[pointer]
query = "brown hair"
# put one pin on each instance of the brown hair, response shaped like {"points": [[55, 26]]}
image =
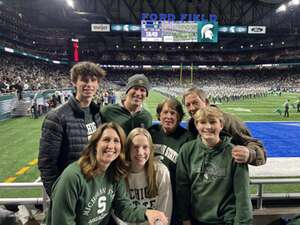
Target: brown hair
{"points": [[194, 90], [86, 69], [149, 166], [88, 162], [174, 104], [208, 113]]}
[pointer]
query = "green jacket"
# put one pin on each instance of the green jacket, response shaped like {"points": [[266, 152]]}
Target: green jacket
{"points": [[76, 201], [117, 113], [210, 186]]}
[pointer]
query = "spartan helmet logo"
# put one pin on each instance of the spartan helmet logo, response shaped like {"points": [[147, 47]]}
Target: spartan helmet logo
{"points": [[206, 31]]}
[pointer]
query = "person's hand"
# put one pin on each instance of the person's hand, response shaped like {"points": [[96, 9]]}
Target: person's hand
{"points": [[153, 216], [240, 154]]}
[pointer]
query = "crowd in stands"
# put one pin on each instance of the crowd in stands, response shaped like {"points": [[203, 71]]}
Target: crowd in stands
{"points": [[31, 74], [28, 74]]}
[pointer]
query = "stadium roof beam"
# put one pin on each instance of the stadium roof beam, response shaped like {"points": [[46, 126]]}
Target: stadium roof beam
{"points": [[130, 7]]}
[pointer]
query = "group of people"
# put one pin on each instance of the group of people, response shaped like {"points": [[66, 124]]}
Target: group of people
{"points": [[113, 166]]}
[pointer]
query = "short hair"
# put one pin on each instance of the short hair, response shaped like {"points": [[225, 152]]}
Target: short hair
{"points": [[208, 113], [174, 104], [149, 166], [195, 90], [86, 69], [88, 161]]}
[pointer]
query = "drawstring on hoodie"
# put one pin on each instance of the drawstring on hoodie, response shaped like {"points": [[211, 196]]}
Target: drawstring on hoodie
{"points": [[204, 163]]}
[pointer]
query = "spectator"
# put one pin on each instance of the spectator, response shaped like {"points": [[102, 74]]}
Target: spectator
{"points": [[130, 113], [211, 186], [148, 180], [66, 129]]}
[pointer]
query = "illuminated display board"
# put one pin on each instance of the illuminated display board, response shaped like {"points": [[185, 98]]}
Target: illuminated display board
{"points": [[179, 31], [151, 31]]}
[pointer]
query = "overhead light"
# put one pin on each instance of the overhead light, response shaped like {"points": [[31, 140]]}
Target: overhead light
{"points": [[271, 43], [281, 8], [251, 46], [242, 46], [261, 45], [70, 3], [282, 43], [293, 2]]}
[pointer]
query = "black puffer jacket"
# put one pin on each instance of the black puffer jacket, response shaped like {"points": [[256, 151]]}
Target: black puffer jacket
{"points": [[64, 136]]}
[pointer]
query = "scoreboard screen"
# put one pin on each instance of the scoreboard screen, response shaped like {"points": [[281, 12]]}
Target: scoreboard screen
{"points": [[179, 31], [151, 31]]}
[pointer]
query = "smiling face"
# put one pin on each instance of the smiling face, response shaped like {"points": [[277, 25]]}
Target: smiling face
{"points": [[209, 130], [135, 97], [193, 103], [108, 148], [168, 118], [139, 152], [86, 87]]}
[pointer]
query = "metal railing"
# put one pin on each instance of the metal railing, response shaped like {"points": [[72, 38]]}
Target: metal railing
{"points": [[25, 201], [259, 196]]}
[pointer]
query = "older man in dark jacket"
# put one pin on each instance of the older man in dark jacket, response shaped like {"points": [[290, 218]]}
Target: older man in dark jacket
{"points": [[66, 129]]}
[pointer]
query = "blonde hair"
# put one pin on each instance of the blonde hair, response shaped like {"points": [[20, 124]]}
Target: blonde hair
{"points": [[149, 166], [88, 161], [208, 113]]}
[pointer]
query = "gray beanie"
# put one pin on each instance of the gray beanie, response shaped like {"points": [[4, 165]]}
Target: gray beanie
{"points": [[139, 80]]}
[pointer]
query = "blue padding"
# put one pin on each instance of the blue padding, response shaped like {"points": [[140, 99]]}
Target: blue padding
{"points": [[281, 139]]}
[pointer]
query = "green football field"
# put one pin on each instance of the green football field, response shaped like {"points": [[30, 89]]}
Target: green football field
{"points": [[20, 137]]}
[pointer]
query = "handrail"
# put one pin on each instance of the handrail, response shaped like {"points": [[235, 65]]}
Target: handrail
{"points": [[259, 196], [25, 201], [262, 181]]}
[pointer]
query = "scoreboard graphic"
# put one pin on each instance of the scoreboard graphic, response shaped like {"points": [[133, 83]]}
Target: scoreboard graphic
{"points": [[151, 31], [178, 31]]}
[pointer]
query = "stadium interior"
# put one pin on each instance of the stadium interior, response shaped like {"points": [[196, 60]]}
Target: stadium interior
{"points": [[41, 40]]}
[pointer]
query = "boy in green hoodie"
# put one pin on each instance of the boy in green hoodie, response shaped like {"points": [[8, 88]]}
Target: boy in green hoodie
{"points": [[211, 187]]}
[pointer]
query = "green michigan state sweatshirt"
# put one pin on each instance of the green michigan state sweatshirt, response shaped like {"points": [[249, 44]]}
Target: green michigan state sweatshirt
{"points": [[76, 201], [128, 121], [210, 186]]}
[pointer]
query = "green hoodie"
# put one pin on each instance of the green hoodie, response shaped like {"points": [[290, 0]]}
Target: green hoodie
{"points": [[210, 186], [76, 201], [128, 121]]}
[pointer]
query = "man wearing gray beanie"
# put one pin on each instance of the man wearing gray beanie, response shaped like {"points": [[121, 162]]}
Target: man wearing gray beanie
{"points": [[130, 113]]}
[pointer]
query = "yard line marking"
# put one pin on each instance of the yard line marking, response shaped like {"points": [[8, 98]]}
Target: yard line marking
{"points": [[10, 180], [33, 162], [22, 170]]}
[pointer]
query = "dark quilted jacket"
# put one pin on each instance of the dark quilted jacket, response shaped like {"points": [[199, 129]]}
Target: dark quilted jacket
{"points": [[64, 136]]}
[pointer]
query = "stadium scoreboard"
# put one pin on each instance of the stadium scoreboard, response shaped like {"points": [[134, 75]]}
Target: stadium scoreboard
{"points": [[178, 31]]}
